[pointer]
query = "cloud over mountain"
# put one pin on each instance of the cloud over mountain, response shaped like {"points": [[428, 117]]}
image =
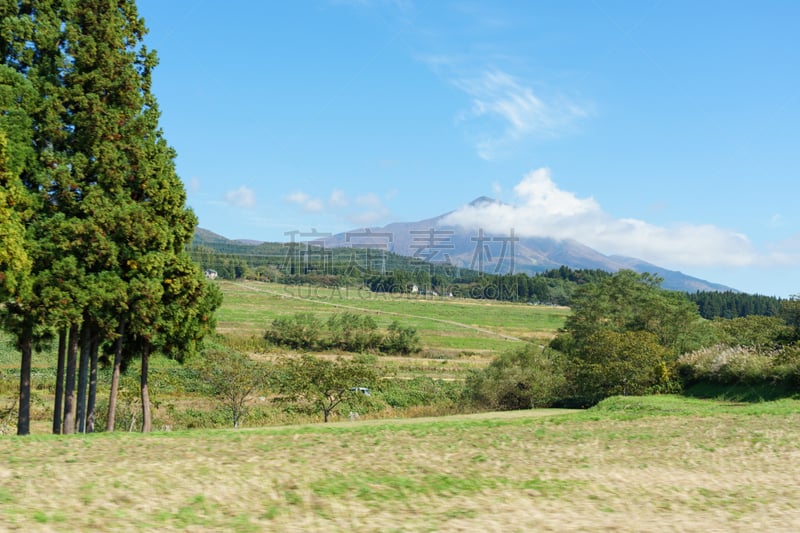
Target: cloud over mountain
{"points": [[542, 209]]}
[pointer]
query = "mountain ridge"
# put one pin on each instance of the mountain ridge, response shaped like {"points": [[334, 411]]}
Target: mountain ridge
{"points": [[434, 241], [462, 247]]}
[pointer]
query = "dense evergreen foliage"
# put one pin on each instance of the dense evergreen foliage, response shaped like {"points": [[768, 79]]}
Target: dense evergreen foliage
{"points": [[93, 199], [731, 304]]}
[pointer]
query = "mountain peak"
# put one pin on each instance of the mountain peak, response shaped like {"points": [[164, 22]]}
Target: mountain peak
{"points": [[482, 200]]}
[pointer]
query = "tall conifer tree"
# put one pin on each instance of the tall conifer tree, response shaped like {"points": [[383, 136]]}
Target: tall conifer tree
{"points": [[111, 222]]}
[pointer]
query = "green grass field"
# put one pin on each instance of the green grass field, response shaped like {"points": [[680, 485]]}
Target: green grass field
{"points": [[447, 326], [457, 336], [630, 464]]}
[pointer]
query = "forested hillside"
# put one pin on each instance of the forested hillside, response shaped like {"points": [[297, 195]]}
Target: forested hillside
{"points": [[383, 271], [730, 304]]}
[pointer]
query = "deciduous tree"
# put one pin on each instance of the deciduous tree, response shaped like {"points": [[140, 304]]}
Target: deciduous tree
{"points": [[624, 335], [233, 378], [322, 384], [520, 379]]}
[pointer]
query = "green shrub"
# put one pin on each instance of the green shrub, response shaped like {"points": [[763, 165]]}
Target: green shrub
{"points": [[521, 379], [300, 331], [192, 418], [401, 340], [353, 333], [233, 378], [347, 331], [419, 391], [752, 330], [611, 363]]}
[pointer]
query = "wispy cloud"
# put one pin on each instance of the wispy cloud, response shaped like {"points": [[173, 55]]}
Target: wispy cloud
{"points": [[542, 209], [338, 199], [193, 185], [372, 210], [241, 197], [309, 204], [363, 210], [511, 111]]}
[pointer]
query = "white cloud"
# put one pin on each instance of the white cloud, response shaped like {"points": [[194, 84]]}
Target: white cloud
{"points": [[314, 205], [498, 96], [193, 187], [338, 199], [241, 197], [776, 220], [298, 197], [544, 210], [786, 252], [364, 210], [374, 210], [369, 199], [370, 217], [309, 204]]}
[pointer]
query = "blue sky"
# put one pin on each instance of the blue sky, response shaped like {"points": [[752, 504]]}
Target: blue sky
{"points": [[663, 130]]}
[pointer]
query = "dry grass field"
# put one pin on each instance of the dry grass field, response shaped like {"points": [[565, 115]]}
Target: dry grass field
{"points": [[630, 464]]}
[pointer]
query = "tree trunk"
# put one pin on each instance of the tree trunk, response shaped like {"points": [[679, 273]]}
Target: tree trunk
{"points": [[146, 421], [90, 408], [59, 400], [83, 378], [26, 350], [69, 381], [111, 417]]}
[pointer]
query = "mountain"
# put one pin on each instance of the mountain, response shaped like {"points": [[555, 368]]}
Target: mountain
{"points": [[207, 237], [433, 240]]}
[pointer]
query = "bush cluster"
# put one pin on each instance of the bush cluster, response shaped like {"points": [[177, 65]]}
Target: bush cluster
{"points": [[419, 391], [520, 379], [730, 365], [349, 332]]}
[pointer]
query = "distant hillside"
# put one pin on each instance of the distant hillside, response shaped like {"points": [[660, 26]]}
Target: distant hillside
{"points": [[204, 236]]}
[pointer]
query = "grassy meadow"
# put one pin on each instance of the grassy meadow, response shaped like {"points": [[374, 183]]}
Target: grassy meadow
{"points": [[448, 327], [629, 464], [457, 335], [659, 463]]}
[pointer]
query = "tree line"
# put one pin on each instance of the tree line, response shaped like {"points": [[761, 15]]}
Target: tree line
{"points": [[391, 273], [93, 218], [730, 304]]}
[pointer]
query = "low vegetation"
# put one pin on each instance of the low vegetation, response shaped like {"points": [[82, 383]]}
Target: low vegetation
{"points": [[630, 463], [348, 331], [524, 378]]}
